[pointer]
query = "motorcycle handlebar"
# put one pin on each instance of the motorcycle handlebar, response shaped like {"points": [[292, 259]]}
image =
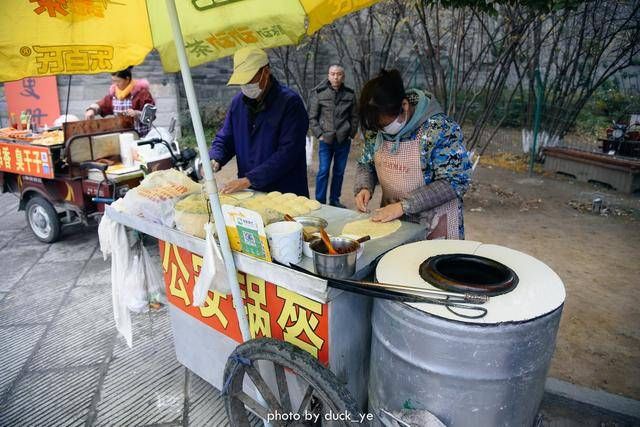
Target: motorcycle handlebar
{"points": [[154, 141], [151, 141]]}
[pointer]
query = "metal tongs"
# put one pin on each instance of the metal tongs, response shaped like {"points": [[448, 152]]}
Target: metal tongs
{"points": [[407, 293]]}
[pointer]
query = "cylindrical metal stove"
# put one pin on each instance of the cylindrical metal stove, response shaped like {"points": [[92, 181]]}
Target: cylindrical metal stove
{"points": [[468, 372]]}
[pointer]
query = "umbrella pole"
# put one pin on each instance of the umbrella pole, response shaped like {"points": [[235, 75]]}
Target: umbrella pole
{"points": [[210, 181]]}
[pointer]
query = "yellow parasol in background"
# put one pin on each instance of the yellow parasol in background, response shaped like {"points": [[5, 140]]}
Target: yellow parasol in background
{"points": [[51, 37]]}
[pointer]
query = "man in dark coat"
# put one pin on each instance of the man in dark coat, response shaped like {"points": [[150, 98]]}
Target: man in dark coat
{"points": [[265, 129], [333, 120]]}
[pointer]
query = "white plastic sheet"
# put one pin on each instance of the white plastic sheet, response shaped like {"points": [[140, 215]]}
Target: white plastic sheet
{"points": [[213, 275], [135, 278], [114, 242]]}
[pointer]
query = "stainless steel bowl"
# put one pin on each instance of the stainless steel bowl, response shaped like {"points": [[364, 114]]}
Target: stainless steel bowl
{"points": [[339, 266], [312, 224]]}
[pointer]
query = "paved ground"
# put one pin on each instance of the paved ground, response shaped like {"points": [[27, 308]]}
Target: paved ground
{"points": [[61, 362]]}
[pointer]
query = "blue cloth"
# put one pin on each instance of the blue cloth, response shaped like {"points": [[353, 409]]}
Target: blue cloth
{"points": [[270, 145], [326, 152]]}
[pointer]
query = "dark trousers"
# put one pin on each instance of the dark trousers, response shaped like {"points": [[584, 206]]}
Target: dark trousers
{"points": [[339, 153]]}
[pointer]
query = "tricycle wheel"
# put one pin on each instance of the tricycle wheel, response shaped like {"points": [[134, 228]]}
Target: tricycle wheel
{"points": [[302, 391], [42, 219]]}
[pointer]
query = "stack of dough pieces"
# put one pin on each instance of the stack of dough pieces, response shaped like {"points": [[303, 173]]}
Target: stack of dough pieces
{"points": [[287, 203]]}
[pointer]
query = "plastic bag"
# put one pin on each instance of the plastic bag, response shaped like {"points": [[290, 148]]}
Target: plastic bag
{"points": [[213, 275], [156, 196], [153, 278], [114, 242], [135, 293]]}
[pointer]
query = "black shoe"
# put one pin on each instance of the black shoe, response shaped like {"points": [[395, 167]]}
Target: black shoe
{"points": [[338, 205]]}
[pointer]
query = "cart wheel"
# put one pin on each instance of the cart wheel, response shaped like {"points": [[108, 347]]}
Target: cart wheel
{"points": [[323, 393], [43, 219]]}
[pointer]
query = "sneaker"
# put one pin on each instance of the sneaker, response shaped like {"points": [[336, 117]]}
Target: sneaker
{"points": [[338, 205]]}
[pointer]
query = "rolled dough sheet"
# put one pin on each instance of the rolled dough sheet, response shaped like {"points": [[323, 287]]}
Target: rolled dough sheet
{"points": [[365, 227], [241, 195]]}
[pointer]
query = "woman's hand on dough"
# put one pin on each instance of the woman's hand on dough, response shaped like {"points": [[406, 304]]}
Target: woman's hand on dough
{"points": [[388, 213], [362, 200]]}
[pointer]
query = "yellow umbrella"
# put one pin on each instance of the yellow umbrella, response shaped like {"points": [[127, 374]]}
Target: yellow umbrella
{"points": [[50, 37]]}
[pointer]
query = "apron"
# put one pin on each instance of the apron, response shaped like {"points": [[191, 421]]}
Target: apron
{"points": [[120, 106], [400, 174]]}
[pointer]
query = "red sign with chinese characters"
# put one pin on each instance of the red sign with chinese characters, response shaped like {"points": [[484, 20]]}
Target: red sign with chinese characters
{"points": [[37, 96], [272, 311], [26, 160]]}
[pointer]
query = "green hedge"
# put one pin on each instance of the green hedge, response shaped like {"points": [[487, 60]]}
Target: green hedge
{"points": [[212, 116]]}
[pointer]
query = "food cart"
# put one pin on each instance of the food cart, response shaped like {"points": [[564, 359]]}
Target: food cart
{"points": [[65, 177], [325, 347], [331, 325]]}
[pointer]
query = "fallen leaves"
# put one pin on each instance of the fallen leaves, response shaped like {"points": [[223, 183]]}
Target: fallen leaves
{"points": [[604, 210], [510, 161], [484, 196]]}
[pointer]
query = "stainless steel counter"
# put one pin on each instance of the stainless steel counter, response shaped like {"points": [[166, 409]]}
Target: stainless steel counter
{"points": [[305, 284]]}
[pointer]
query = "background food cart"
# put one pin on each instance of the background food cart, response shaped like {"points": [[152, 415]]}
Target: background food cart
{"points": [[57, 178], [331, 325]]}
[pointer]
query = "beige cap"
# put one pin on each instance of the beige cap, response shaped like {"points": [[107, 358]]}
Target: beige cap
{"points": [[246, 63]]}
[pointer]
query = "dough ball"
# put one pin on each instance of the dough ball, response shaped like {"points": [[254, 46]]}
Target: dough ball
{"points": [[289, 196], [313, 205], [290, 208], [291, 211], [301, 199], [280, 208], [274, 194], [303, 209], [250, 206], [260, 199]]}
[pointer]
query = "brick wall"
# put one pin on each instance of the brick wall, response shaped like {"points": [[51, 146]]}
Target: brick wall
{"points": [[86, 89]]}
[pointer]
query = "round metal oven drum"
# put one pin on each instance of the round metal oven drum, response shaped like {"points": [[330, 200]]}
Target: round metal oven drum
{"points": [[466, 375], [484, 372]]}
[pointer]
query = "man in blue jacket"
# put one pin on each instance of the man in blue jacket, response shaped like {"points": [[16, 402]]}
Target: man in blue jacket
{"points": [[265, 128]]}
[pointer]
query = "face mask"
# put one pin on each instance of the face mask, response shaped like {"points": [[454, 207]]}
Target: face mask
{"points": [[252, 90], [394, 127]]}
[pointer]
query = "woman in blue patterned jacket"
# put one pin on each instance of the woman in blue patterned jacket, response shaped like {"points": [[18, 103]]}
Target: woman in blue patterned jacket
{"points": [[417, 155]]}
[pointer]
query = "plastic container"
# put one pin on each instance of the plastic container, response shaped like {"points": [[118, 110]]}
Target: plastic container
{"points": [[285, 241], [127, 147]]}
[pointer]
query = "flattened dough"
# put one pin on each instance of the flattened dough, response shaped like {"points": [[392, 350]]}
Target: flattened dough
{"points": [[365, 227], [241, 195]]}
